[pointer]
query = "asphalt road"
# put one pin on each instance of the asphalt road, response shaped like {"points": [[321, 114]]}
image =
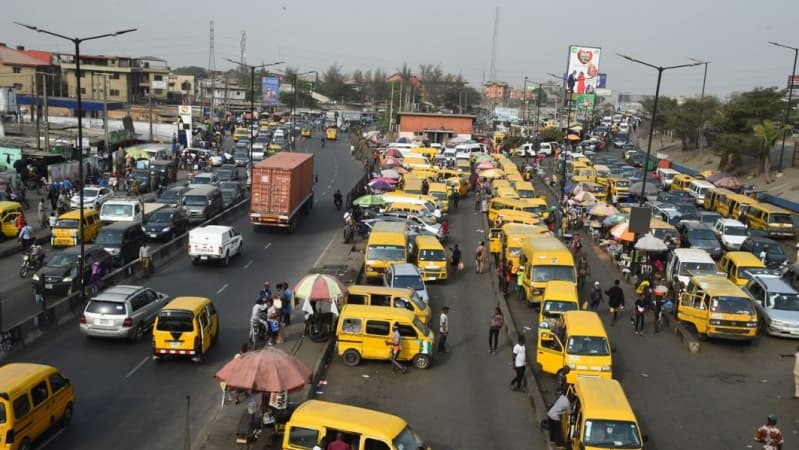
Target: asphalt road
{"points": [[126, 400], [464, 400], [712, 400]]}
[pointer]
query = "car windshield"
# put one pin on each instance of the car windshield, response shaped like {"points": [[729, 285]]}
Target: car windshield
{"points": [[90, 192], [101, 307], [439, 195], [587, 345], [701, 234], [408, 281], [687, 268], [407, 439], [117, 210], [170, 196], [66, 223], [746, 273], [549, 273], [780, 218], [735, 231], [557, 307], [416, 300], [224, 174], [662, 233], [61, 260], [141, 173], [611, 434], [385, 252], [161, 217], [195, 200], [201, 180], [432, 255], [710, 218], [731, 305], [108, 237]]}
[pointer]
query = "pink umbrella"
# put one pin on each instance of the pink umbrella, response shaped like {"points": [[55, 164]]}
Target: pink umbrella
{"points": [[384, 179], [394, 152], [731, 183], [267, 370], [486, 165], [390, 163]]}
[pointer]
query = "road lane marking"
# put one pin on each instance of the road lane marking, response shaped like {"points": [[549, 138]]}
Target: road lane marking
{"points": [[330, 185], [247, 265], [268, 244], [138, 366], [50, 439], [222, 289], [316, 263]]}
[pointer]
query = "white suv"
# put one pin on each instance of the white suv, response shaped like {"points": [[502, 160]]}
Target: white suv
{"points": [[731, 233]]}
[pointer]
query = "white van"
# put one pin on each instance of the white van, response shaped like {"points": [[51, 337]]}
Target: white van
{"points": [[686, 262], [400, 145], [666, 175], [545, 148], [697, 190], [219, 242]]}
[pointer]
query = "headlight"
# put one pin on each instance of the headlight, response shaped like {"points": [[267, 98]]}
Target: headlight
{"points": [[537, 292], [779, 323], [67, 279], [751, 324], [35, 277], [165, 229], [715, 322], [605, 368]]}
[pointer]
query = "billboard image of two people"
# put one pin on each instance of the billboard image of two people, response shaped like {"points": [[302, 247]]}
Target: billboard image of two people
{"points": [[582, 74], [270, 89]]}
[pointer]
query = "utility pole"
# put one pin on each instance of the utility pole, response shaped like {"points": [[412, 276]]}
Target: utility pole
{"points": [[105, 112], [391, 109], [38, 109], [701, 105], [46, 118], [150, 113]]}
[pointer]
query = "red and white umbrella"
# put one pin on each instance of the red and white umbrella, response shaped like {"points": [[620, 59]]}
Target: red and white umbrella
{"points": [[319, 287]]}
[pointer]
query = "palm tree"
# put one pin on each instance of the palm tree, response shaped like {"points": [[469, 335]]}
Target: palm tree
{"points": [[767, 133]]}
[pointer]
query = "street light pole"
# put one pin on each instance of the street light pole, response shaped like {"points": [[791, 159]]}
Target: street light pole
{"points": [[524, 103], [660, 70], [790, 98], [294, 108], [252, 95], [701, 104], [79, 111]]}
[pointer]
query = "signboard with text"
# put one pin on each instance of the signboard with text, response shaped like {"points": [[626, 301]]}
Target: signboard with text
{"points": [[270, 91], [582, 75]]}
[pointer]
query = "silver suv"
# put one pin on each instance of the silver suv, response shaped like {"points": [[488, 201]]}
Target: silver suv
{"points": [[122, 312], [406, 275], [777, 304]]}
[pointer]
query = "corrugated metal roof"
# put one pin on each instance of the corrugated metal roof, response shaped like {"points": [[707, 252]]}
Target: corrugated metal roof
{"points": [[12, 57]]}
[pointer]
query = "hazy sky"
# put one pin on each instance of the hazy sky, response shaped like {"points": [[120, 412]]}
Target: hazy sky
{"points": [[533, 37]]}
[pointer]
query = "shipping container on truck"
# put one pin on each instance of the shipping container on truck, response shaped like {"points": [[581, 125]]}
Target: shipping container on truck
{"points": [[282, 187]]}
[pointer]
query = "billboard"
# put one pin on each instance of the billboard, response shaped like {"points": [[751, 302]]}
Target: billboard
{"points": [[582, 75], [503, 114], [270, 91]]}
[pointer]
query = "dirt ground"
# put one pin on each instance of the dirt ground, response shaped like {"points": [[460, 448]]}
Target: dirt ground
{"points": [[785, 185]]}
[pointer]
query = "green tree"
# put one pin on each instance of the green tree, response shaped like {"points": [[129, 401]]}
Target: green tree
{"points": [[551, 135], [767, 133], [196, 71]]}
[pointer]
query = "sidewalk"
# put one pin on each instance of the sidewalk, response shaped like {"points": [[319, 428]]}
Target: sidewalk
{"points": [[344, 261]]}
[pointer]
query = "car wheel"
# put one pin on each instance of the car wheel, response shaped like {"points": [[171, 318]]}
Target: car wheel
{"points": [[194, 260], [421, 361], [227, 259], [138, 333], [25, 445], [352, 358], [67, 417]]}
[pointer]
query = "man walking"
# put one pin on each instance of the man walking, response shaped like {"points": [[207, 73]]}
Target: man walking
{"points": [[146, 260], [795, 356], [615, 301], [769, 435], [396, 348], [519, 363], [480, 257], [595, 297], [443, 329], [26, 235]]}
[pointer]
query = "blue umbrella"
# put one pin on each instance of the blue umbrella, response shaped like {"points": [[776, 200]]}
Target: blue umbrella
{"points": [[569, 188]]}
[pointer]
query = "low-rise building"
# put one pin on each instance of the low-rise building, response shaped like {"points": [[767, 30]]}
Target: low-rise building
{"points": [[432, 127]]}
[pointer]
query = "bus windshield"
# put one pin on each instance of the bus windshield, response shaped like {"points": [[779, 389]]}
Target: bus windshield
{"points": [[731, 305], [611, 434], [386, 252], [549, 273]]}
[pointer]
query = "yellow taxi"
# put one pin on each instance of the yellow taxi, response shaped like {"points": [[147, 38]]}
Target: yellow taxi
{"points": [[186, 326]]}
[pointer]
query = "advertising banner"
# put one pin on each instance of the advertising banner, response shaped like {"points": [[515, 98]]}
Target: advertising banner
{"points": [[582, 75], [503, 114], [270, 87]]}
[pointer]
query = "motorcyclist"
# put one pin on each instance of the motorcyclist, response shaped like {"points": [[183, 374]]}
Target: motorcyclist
{"points": [[36, 254], [258, 317], [323, 141], [337, 199]]}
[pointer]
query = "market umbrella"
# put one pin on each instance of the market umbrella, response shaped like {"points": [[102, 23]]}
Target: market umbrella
{"points": [[615, 219], [386, 179], [650, 243], [573, 137], [649, 189], [319, 287], [390, 173], [381, 185], [603, 210], [390, 162], [367, 201], [715, 176], [485, 165], [267, 370], [491, 173], [731, 183], [585, 197], [482, 157], [622, 232]]}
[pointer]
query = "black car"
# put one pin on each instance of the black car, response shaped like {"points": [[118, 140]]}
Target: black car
{"points": [[675, 197], [173, 196], [143, 176], [774, 254], [687, 211], [709, 218], [696, 234], [166, 224], [232, 193], [241, 157], [227, 172], [160, 170], [60, 273], [122, 241]]}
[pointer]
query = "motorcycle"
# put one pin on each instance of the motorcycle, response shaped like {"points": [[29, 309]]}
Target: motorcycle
{"points": [[337, 201], [30, 264]]}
